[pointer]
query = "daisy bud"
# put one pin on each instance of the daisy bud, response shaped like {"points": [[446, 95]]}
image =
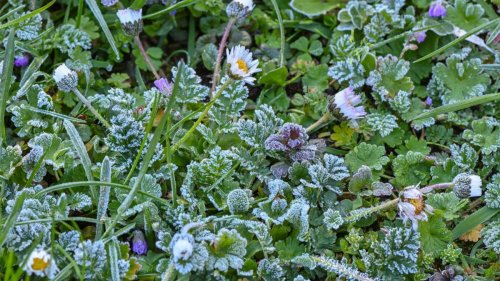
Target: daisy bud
{"points": [[131, 21], [437, 10], [240, 64], [21, 61], [163, 86], [41, 264], [139, 244], [239, 8], [66, 79], [466, 185], [346, 102], [182, 249]]}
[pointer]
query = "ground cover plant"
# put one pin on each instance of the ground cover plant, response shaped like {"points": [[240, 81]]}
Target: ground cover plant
{"points": [[249, 140]]}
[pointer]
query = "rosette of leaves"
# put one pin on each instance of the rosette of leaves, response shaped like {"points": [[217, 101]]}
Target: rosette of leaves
{"points": [[226, 251], [484, 133], [389, 78], [458, 79], [395, 255], [114, 102], [27, 122], [354, 15]]}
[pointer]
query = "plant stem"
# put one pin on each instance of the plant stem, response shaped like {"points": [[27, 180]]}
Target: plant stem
{"points": [[216, 76], [89, 106], [146, 57], [325, 118], [202, 116], [430, 188]]}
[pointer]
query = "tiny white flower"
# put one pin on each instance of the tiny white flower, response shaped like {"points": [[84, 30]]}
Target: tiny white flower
{"points": [[413, 207], [65, 78], [239, 9], [131, 21], [346, 101], [41, 264], [466, 185], [182, 249], [240, 64]]}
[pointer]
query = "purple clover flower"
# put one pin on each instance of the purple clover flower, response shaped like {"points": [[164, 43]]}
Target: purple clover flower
{"points": [[420, 36], [163, 86], [139, 244], [21, 61], [437, 10]]}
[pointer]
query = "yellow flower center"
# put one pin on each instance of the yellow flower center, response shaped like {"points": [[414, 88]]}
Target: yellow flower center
{"points": [[242, 65], [39, 264], [418, 204]]}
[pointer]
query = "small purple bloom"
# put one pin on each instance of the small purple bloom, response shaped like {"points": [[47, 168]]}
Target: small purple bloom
{"points": [[21, 61], [420, 36], [437, 10], [428, 101], [139, 244], [164, 86], [292, 139]]}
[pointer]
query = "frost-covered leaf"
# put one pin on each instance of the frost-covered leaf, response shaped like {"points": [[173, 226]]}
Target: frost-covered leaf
{"points": [[190, 88], [410, 169], [382, 123], [492, 195], [485, 133], [390, 77], [448, 204], [466, 15]]}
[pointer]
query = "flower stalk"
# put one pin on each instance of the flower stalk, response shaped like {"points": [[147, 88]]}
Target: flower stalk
{"points": [[325, 118], [220, 52], [146, 57]]}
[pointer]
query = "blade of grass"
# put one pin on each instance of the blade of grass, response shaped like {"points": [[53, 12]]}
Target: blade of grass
{"points": [[104, 26], [178, 5], [282, 33], [53, 114], [11, 11], [32, 69], [459, 39], [102, 207], [458, 106], [493, 34], [6, 78], [113, 260], [82, 153], [28, 15], [495, 67], [69, 185], [473, 220]]}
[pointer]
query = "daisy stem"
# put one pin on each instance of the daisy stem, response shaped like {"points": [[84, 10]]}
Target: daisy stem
{"points": [[87, 103], [430, 188], [386, 204], [202, 116], [146, 57], [216, 76], [325, 118]]}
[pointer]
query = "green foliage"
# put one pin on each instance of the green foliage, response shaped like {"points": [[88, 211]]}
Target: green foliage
{"points": [[434, 235], [466, 15], [366, 154]]}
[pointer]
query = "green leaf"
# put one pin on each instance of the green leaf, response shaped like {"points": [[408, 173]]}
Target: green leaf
{"points": [[458, 106], [369, 155], [313, 8], [470, 222], [410, 169], [275, 77], [434, 235], [448, 204], [466, 15]]}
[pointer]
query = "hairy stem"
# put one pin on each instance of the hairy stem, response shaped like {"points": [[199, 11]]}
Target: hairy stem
{"points": [[430, 188], [146, 57], [89, 106], [216, 76]]}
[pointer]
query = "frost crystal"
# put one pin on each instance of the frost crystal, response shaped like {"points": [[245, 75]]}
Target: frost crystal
{"points": [[333, 219], [491, 236], [384, 124], [492, 196], [92, 255], [237, 201]]}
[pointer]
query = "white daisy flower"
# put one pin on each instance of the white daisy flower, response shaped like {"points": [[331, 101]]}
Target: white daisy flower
{"points": [[413, 207], [240, 64], [466, 185], [248, 4], [41, 264], [65, 78], [346, 101], [239, 8], [131, 21], [182, 249]]}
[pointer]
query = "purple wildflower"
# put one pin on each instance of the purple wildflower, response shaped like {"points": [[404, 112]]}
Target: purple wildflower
{"points": [[437, 10], [346, 101], [428, 101], [292, 138], [109, 3], [21, 61], [420, 36], [164, 86], [139, 244]]}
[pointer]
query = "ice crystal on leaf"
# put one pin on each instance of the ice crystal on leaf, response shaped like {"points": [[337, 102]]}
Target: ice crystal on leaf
{"points": [[29, 29], [354, 15], [92, 256], [492, 195], [255, 133], [384, 124], [485, 133], [227, 251], [333, 219], [350, 70], [389, 78], [190, 88], [327, 173], [491, 236], [71, 38]]}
